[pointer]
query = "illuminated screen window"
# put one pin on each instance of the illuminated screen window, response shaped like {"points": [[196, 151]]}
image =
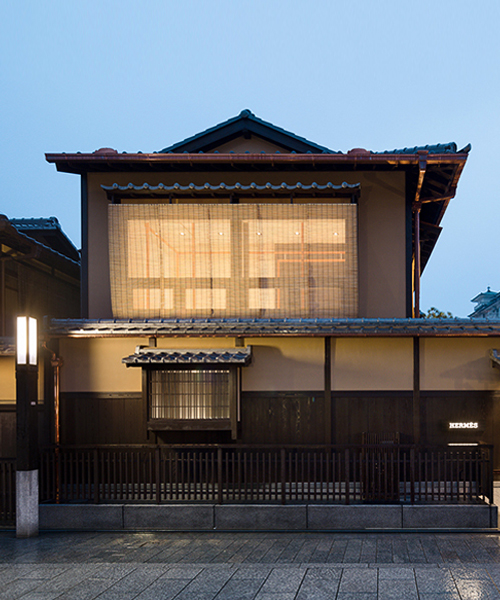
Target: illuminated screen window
{"points": [[190, 393], [233, 260]]}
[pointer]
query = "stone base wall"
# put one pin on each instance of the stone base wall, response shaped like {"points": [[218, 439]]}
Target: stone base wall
{"points": [[208, 517]]}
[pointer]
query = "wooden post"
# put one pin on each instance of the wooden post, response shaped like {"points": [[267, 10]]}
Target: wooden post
{"points": [[412, 475], [219, 475], [416, 284], [157, 459], [2, 298], [328, 391], [96, 475], [417, 409], [347, 477], [283, 476]]}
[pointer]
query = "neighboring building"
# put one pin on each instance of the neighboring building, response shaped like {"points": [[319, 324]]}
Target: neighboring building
{"points": [[39, 275], [487, 305], [247, 284]]}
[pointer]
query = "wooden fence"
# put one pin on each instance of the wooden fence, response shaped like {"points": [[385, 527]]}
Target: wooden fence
{"points": [[267, 474], [7, 490]]}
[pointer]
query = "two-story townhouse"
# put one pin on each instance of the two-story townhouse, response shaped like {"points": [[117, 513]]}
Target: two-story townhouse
{"points": [[249, 285]]}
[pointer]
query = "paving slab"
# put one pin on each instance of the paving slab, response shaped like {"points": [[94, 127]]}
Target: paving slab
{"points": [[250, 566]]}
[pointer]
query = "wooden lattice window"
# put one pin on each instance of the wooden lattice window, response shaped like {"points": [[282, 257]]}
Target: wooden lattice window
{"points": [[191, 398]]}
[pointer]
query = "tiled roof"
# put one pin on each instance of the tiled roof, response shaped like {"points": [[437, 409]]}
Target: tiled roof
{"points": [[47, 231], [162, 356], [48, 224], [488, 300], [246, 121], [272, 327], [237, 187], [11, 234], [450, 148]]}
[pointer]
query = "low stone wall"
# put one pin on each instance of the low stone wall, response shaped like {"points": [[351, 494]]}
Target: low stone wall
{"points": [[208, 517]]}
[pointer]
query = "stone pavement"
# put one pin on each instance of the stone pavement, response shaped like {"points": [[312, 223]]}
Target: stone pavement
{"points": [[250, 566]]}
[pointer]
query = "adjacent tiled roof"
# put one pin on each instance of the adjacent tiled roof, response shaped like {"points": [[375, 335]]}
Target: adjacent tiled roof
{"points": [[148, 189], [488, 300], [48, 231], [163, 356], [34, 223], [272, 327], [10, 235], [450, 148]]}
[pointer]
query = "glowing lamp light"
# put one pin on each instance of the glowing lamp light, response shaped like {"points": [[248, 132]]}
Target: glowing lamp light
{"points": [[27, 341]]}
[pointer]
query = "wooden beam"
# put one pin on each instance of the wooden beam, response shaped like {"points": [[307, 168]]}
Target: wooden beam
{"points": [[3, 297], [417, 410], [416, 284], [328, 391]]}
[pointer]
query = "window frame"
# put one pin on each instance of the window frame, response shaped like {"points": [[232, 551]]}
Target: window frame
{"points": [[202, 424]]}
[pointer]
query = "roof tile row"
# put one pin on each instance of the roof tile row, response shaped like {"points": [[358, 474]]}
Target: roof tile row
{"points": [[271, 327]]}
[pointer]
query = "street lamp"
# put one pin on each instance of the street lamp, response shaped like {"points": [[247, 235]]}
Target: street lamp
{"points": [[27, 427], [27, 341]]}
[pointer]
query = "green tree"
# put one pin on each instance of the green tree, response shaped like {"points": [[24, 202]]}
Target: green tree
{"points": [[435, 313]]}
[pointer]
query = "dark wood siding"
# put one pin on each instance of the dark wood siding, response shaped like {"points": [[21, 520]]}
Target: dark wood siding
{"points": [[8, 431], [92, 418], [375, 412], [441, 408], [282, 417]]}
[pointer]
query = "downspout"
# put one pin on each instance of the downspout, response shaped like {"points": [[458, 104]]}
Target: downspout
{"points": [[416, 207], [56, 363]]}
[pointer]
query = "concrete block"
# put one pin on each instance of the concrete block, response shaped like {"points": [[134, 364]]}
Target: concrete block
{"points": [[448, 516], [93, 517], [260, 517], [493, 515], [187, 517], [354, 516], [27, 503]]}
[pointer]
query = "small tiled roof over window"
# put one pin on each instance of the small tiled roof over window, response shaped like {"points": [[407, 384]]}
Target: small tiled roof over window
{"points": [[495, 358], [166, 356]]}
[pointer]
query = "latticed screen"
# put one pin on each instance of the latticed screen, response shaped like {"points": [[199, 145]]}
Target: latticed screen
{"points": [[189, 394], [234, 260]]}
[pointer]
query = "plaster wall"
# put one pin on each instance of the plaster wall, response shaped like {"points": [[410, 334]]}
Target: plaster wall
{"points": [[288, 364], [458, 364], [381, 231], [372, 364], [94, 365], [278, 364], [7, 379], [284, 364], [252, 145]]}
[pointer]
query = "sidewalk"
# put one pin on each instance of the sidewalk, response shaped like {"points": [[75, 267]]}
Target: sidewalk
{"points": [[250, 566]]}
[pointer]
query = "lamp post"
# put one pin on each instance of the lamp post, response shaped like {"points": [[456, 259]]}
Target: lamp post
{"points": [[27, 427]]}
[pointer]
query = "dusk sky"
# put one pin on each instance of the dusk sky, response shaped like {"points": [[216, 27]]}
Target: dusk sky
{"points": [[77, 76]]}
